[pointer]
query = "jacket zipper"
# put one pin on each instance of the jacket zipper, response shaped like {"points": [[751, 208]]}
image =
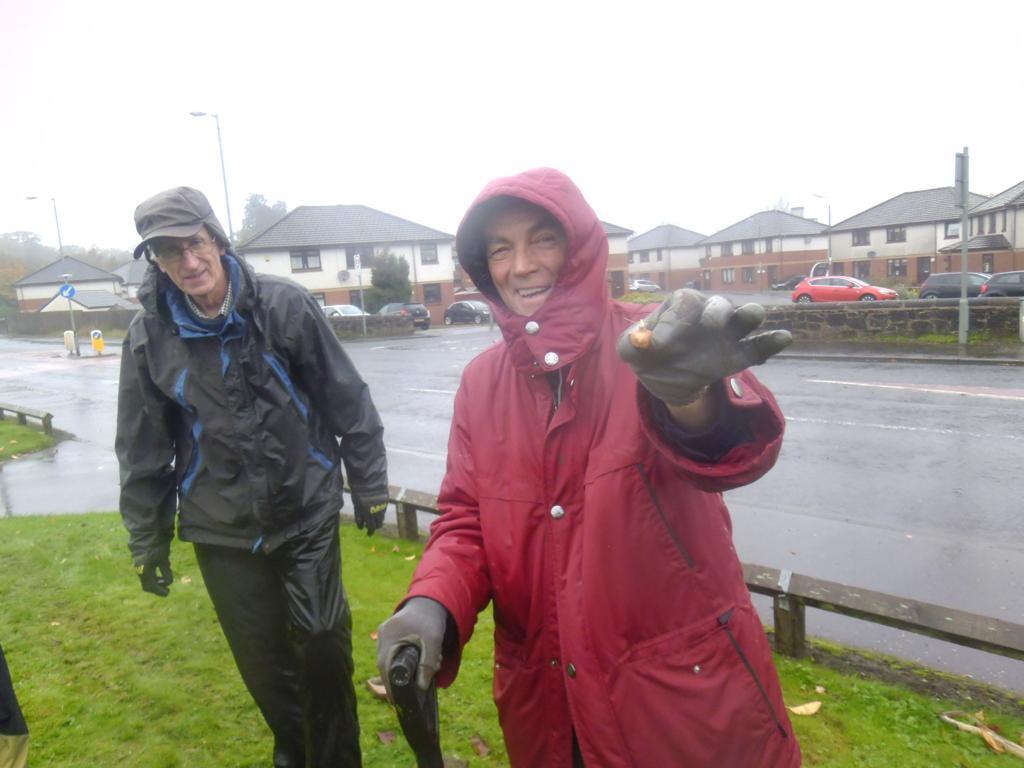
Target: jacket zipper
{"points": [[664, 519], [723, 620]]}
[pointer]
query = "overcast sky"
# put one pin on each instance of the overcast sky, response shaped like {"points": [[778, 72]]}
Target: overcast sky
{"points": [[661, 112]]}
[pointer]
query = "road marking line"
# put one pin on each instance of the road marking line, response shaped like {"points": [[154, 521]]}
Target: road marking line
{"points": [[423, 454], [431, 391], [897, 428], [935, 389]]}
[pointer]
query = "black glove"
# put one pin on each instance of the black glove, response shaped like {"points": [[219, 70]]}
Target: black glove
{"points": [[420, 622], [156, 577], [692, 341], [369, 511]]}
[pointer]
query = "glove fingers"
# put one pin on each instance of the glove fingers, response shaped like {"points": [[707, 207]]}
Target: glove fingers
{"points": [[745, 320], [758, 348]]}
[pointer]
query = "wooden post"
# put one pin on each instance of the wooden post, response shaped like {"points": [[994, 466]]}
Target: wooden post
{"points": [[407, 526], [790, 625]]}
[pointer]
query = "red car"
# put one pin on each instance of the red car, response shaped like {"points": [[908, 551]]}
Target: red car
{"points": [[838, 288]]}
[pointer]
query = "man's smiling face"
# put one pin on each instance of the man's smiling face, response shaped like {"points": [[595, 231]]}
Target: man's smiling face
{"points": [[526, 249]]}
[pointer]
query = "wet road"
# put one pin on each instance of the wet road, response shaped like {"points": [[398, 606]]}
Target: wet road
{"points": [[895, 477]]}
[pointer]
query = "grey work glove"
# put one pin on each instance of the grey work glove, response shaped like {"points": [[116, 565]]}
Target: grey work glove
{"points": [[369, 511], [420, 622], [692, 341], [156, 577]]}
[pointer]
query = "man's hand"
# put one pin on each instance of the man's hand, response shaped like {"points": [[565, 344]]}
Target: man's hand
{"points": [[156, 577], [369, 512], [692, 341], [420, 622]]}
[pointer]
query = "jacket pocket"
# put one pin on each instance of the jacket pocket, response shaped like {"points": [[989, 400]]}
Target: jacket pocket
{"points": [[673, 534], [723, 620]]}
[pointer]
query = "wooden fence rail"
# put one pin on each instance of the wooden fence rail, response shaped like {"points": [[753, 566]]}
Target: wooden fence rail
{"points": [[792, 593], [23, 414]]}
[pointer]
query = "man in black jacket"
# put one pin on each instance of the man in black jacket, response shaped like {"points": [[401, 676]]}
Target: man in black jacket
{"points": [[237, 406]]}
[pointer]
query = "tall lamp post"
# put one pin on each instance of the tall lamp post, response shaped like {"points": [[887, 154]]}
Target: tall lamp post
{"points": [[223, 173], [829, 206], [56, 220]]}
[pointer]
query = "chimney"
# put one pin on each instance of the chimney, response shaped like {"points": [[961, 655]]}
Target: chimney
{"points": [[797, 211]]}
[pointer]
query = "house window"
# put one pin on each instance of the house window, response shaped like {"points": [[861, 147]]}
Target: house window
{"points": [[1003, 228], [432, 293], [307, 260], [728, 276], [748, 273], [727, 249], [862, 237], [747, 246], [768, 245], [992, 223], [320, 299], [365, 254], [707, 278], [428, 254], [645, 257], [659, 254], [987, 262], [896, 235], [837, 268], [861, 270], [896, 268], [707, 251], [978, 225], [952, 229]]}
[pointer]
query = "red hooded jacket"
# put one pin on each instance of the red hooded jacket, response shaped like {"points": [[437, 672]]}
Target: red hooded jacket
{"points": [[619, 602]]}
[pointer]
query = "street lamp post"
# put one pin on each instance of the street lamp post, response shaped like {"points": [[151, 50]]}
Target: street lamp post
{"points": [[223, 173], [56, 220], [828, 204]]}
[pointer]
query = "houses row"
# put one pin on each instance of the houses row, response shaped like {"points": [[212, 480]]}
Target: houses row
{"points": [[329, 250]]}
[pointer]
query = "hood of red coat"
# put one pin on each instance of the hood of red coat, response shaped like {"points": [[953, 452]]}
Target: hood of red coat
{"points": [[568, 322]]}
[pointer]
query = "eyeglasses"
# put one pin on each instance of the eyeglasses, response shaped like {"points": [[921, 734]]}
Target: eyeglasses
{"points": [[171, 253]]}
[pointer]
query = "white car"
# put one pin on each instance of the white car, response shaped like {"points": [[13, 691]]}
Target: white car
{"points": [[643, 285], [342, 310]]}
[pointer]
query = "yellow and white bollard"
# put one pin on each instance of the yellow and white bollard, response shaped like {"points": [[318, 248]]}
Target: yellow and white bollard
{"points": [[97, 341]]}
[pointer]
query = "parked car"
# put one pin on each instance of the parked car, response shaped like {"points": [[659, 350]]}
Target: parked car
{"points": [[946, 285], [839, 289], [342, 310], [468, 311], [788, 284], [1004, 284], [644, 285], [419, 314]]}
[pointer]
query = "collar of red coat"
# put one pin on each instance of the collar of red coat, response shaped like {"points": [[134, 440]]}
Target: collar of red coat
{"points": [[562, 330]]}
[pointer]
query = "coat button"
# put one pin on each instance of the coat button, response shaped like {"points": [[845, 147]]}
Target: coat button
{"points": [[571, 670], [736, 386], [532, 327], [554, 662], [557, 512], [696, 669], [551, 359]]}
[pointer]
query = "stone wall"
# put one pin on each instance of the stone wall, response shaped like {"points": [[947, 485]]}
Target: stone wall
{"points": [[864, 320]]}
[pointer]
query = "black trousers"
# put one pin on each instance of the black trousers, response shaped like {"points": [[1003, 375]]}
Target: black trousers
{"points": [[288, 623]]}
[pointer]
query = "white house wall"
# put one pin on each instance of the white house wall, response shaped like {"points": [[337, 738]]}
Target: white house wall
{"points": [[47, 290]]}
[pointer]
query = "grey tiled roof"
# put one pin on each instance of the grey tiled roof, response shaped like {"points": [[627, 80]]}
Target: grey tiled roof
{"points": [[1011, 196], [614, 229], [665, 236], [79, 271], [99, 300], [766, 224], [327, 225], [980, 243], [923, 206], [132, 272]]}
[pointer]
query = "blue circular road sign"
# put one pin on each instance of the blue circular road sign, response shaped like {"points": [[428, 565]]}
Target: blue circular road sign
{"points": [[67, 291]]}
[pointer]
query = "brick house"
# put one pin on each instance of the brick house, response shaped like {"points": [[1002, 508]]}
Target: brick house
{"points": [[668, 255], [996, 240]]}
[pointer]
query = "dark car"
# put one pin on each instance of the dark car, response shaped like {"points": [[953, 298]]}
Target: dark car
{"points": [[467, 311], [419, 314], [1004, 284], [946, 285], [788, 284]]}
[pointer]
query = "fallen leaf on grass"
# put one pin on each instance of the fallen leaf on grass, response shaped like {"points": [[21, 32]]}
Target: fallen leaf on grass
{"points": [[819, 689], [12, 441], [54, 623], [809, 708], [995, 746], [373, 635], [376, 686], [411, 557], [373, 548], [386, 737], [479, 745], [396, 550], [186, 579]]}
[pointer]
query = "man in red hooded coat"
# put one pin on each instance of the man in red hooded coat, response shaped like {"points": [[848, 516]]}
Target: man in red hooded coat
{"points": [[586, 462]]}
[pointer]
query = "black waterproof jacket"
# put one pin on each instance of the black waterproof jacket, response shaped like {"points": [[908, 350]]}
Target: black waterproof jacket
{"points": [[240, 426]]}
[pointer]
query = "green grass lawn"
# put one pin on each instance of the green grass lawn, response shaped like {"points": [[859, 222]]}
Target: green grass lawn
{"points": [[108, 675], [16, 439]]}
